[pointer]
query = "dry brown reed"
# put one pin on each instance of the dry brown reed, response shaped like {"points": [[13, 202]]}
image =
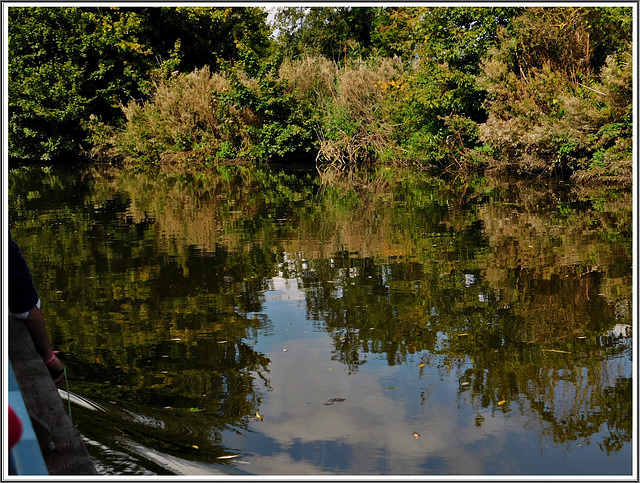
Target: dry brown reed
{"points": [[547, 109], [310, 78], [184, 115], [360, 96]]}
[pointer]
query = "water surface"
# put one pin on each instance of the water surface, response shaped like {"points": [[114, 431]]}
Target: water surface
{"points": [[279, 322]]}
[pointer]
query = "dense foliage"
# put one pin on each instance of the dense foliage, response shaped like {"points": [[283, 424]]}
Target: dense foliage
{"points": [[543, 90], [72, 67]]}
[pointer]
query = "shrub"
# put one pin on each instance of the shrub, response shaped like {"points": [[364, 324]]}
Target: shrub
{"points": [[354, 121], [185, 114], [283, 130], [549, 109]]}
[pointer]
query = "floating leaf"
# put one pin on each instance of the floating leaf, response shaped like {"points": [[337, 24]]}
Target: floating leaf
{"points": [[284, 350], [228, 456], [195, 410], [556, 350], [500, 403], [422, 365], [333, 401], [259, 417], [416, 435], [463, 334], [390, 388], [195, 446], [222, 341]]}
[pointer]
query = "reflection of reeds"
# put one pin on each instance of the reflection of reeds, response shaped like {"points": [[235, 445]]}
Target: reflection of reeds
{"points": [[378, 181], [533, 344], [353, 212], [199, 215]]}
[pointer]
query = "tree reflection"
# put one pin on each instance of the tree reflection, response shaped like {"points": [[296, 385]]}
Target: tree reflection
{"points": [[509, 289]]}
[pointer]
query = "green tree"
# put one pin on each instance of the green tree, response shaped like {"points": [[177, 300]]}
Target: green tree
{"points": [[70, 65], [397, 31], [207, 36], [444, 103], [332, 32], [65, 64]]}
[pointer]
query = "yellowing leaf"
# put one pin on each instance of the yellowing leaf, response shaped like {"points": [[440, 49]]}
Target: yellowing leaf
{"points": [[500, 403], [195, 446], [259, 417], [416, 435], [422, 365]]}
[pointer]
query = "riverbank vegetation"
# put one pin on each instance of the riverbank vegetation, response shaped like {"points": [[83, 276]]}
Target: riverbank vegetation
{"points": [[535, 90]]}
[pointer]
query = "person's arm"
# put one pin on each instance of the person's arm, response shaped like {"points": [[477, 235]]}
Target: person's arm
{"points": [[35, 326], [24, 303]]}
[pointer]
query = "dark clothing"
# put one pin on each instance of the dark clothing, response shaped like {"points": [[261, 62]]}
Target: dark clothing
{"points": [[22, 293]]}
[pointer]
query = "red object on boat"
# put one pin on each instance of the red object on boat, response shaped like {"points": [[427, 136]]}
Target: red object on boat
{"points": [[15, 428]]}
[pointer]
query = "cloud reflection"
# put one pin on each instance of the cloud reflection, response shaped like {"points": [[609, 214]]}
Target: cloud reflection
{"points": [[369, 432]]}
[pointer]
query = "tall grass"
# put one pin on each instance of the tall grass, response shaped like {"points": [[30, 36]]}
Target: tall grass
{"points": [[184, 117], [354, 121]]}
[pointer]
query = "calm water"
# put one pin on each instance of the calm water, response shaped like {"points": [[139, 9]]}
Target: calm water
{"points": [[283, 323]]}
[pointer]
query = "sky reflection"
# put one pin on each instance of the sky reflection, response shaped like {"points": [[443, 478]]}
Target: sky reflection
{"points": [[372, 430]]}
